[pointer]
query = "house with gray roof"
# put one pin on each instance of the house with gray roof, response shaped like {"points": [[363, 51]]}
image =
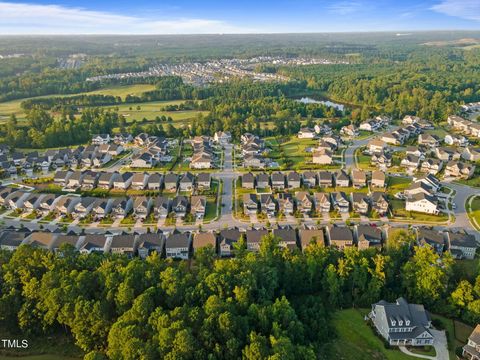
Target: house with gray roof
{"points": [[179, 246], [462, 245], [254, 238], [149, 243], [401, 323]]}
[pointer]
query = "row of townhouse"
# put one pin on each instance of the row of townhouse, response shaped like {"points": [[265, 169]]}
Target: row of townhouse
{"points": [[88, 179], [402, 134], [118, 207], [421, 195], [253, 150], [466, 127], [203, 153], [157, 151], [309, 179], [459, 243], [306, 203], [312, 133], [89, 156], [375, 124]]}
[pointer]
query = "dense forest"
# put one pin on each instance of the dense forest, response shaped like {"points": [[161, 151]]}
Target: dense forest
{"points": [[276, 304]]}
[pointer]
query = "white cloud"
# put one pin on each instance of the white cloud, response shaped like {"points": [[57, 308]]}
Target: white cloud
{"points": [[54, 19], [465, 9], [344, 7]]}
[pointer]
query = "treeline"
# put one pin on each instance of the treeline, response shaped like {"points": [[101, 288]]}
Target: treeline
{"points": [[253, 115], [430, 86], [272, 305], [43, 130], [173, 88]]}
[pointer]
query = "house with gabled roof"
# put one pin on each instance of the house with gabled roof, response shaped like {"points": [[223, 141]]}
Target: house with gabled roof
{"points": [[293, 180], [155, 181], [227, 240], [339, 236], [106, 180], [149, 243], [268, 205], [179, 245], [340, 202], [187, 181], [11, 239], [161, 207], [83, 207], [101, 208], [286, 204], [422, 202], [61, 177], [123, 244], [360, 203], [310, 179], [250, 204], [42, 239], [204, 181], [254, 238], [198, 206], [180, 206], [171, 182], [309, 235], [359, 178], [121, 207], [322, 202], [368, 236], [139, 181], [278, 180], [304, 202], [248, 181], [401, 323], [141, 207], [93, 243], [263, 181], [378, 179], [205, 239], [123, 181], [379, 202], [342, 179]]}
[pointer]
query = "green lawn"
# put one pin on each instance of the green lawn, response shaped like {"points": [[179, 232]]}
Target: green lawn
{"points": [[356, 340], [397, 184], [474, 211], [13, 107]]}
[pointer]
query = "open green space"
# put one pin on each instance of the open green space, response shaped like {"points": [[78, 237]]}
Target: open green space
{"points": [[356, 340], [473, 211], [13, 107]]}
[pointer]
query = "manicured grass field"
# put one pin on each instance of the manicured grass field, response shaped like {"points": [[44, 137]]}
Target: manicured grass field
{"points": [[474, 211], [397, 184], [356, 340], [13, 107]]}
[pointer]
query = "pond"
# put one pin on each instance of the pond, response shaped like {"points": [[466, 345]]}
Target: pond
{"points": [[307, 100]]}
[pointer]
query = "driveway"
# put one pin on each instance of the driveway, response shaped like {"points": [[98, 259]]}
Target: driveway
{"points": [[439, 343]]}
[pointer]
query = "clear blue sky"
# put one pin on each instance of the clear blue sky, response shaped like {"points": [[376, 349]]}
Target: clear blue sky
{"points": [[246, 16]]}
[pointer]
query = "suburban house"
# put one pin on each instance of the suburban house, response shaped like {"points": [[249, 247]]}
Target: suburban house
{"points": [[422, 203], [378, 179], [155, 181], [379, 202], [306, 133], [308, 236], [66, 204], [431, 181], [459, 170], [180, 206], [222, 137], [248, 181], [401, 323], [106, 180], [204, 239], [429, 140], [90, 180], [263, 181], [32, 202], [139, 181], [42, 240], [287, 237], [123, 244], [101, 208], [123, 181], [11, 240], [286, 204], [61, 177], [201, 160], [340, 202], [75, 180], [310, 179], [93, 243], [144, 160], [254, 238], [268, 205], [471, 154], [360, 203], [171, 182], [187, 182], [431, 166], [471, 350], [368, 236], [141, 207], [278, 181], [178, 245], [227, 239], [304, 202], [376, 145], [293, 180], [100, 139], [349, 130], [161, 207], [121, 207], [418, 188], [410, 162], [322, 157], [204, 181], [83, 207], [70, 239], [198, 206], [325, 179], [149, 243], [322, 202], [47, 204], [434, 239], [339, 236], [342, 179], [250, 205], [462, 245], [359, 178]]}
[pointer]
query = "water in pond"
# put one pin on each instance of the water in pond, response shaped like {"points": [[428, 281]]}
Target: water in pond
{"points": [[307, 100]]}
